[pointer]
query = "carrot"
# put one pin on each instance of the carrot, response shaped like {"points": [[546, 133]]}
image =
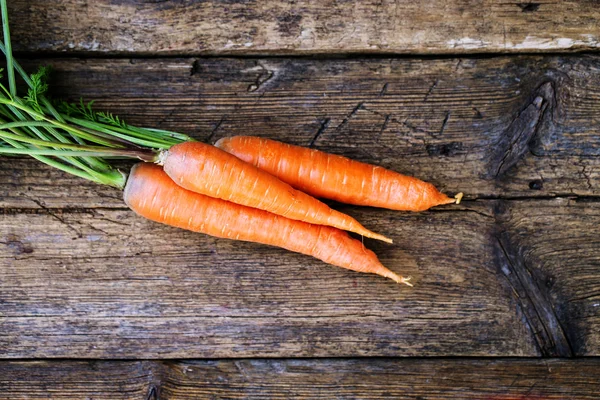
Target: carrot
{"points": [[152, 194], [335, 177], [207, 170], [78, 140]]}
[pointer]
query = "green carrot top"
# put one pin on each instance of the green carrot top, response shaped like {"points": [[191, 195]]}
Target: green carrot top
{"points": [[71, 137]]}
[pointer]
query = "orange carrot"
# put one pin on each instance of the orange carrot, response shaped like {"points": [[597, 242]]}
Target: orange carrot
{"points": [[152, 194], [335, 177], [207, 170]]}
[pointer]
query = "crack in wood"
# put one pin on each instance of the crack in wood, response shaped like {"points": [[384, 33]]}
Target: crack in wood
{"points": [[545, 326], [155, 373], [215, 129], [112, 221], [264, 76], [152, 393], [444, 122], [348, 117], [322, 128], [515, 140], [55, 216], [383, 126], [384, 89], [431, 88], [587, 176], [458, 64], [463, 210]]}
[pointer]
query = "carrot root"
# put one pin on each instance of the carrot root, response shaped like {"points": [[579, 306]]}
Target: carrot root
{"points": [[458, 198], [399, 279], [151, 193], [335, 177], [381, 237], [213, 172]]}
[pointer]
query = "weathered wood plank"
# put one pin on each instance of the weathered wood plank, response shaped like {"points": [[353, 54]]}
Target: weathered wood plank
{"points": [[304, 27], [556, 246], [76, 380], [284, 379], [384, 379], [106, 284], [501, 127], [27, 183], [493, 278]]}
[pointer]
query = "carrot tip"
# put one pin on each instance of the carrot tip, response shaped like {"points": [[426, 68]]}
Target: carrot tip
{"points": [[399, 279], [385, 239], [406, 281], [373, 235], [459, 197]]}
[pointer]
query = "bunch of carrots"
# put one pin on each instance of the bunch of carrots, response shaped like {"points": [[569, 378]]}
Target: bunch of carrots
{"points": [[243, 188]]}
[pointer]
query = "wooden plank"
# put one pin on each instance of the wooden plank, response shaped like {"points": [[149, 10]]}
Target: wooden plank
{"points": [[553, 254], [304, 27], [384, 379], [506, 278], [500, 127], [316, 379], [27, 183], [104, 283], [76, 380]]}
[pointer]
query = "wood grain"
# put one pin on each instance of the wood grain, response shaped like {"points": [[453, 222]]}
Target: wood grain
{"points": [[104, 283], [504, 278], [76, 380], [558, 244], [513, 271], [384, 379], [500, 127], [499, 379], [187, 27]]}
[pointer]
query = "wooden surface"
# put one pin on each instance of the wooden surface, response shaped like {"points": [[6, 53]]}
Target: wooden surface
{"points": [[305, 27], [111, 274], [315, 379], [503, 278], [500, 127], [95, 301]]}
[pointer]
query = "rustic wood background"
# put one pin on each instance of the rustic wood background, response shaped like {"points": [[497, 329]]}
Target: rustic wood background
{"points": [[500, 100]]}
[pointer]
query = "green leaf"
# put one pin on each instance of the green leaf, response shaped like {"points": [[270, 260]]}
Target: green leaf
{"points": [[38, 88]]}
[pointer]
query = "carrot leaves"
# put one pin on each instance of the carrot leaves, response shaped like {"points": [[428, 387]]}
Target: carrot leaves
{"points": [[72, 137]]}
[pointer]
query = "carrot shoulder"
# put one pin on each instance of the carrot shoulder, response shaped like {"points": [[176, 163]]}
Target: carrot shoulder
{"points": [[152, 194], [335, 177], [205, 169]]}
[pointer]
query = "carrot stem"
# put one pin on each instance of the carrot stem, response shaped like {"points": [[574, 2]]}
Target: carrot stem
{"points": [[145, 154], [77, 153], [9, 59]]}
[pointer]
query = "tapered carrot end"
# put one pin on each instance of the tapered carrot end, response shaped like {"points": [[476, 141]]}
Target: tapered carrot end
{"points": [[458, 198], [450, 200], [373, 235], [382, 238], [432, 198], [398, 279], [406, 281]]}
